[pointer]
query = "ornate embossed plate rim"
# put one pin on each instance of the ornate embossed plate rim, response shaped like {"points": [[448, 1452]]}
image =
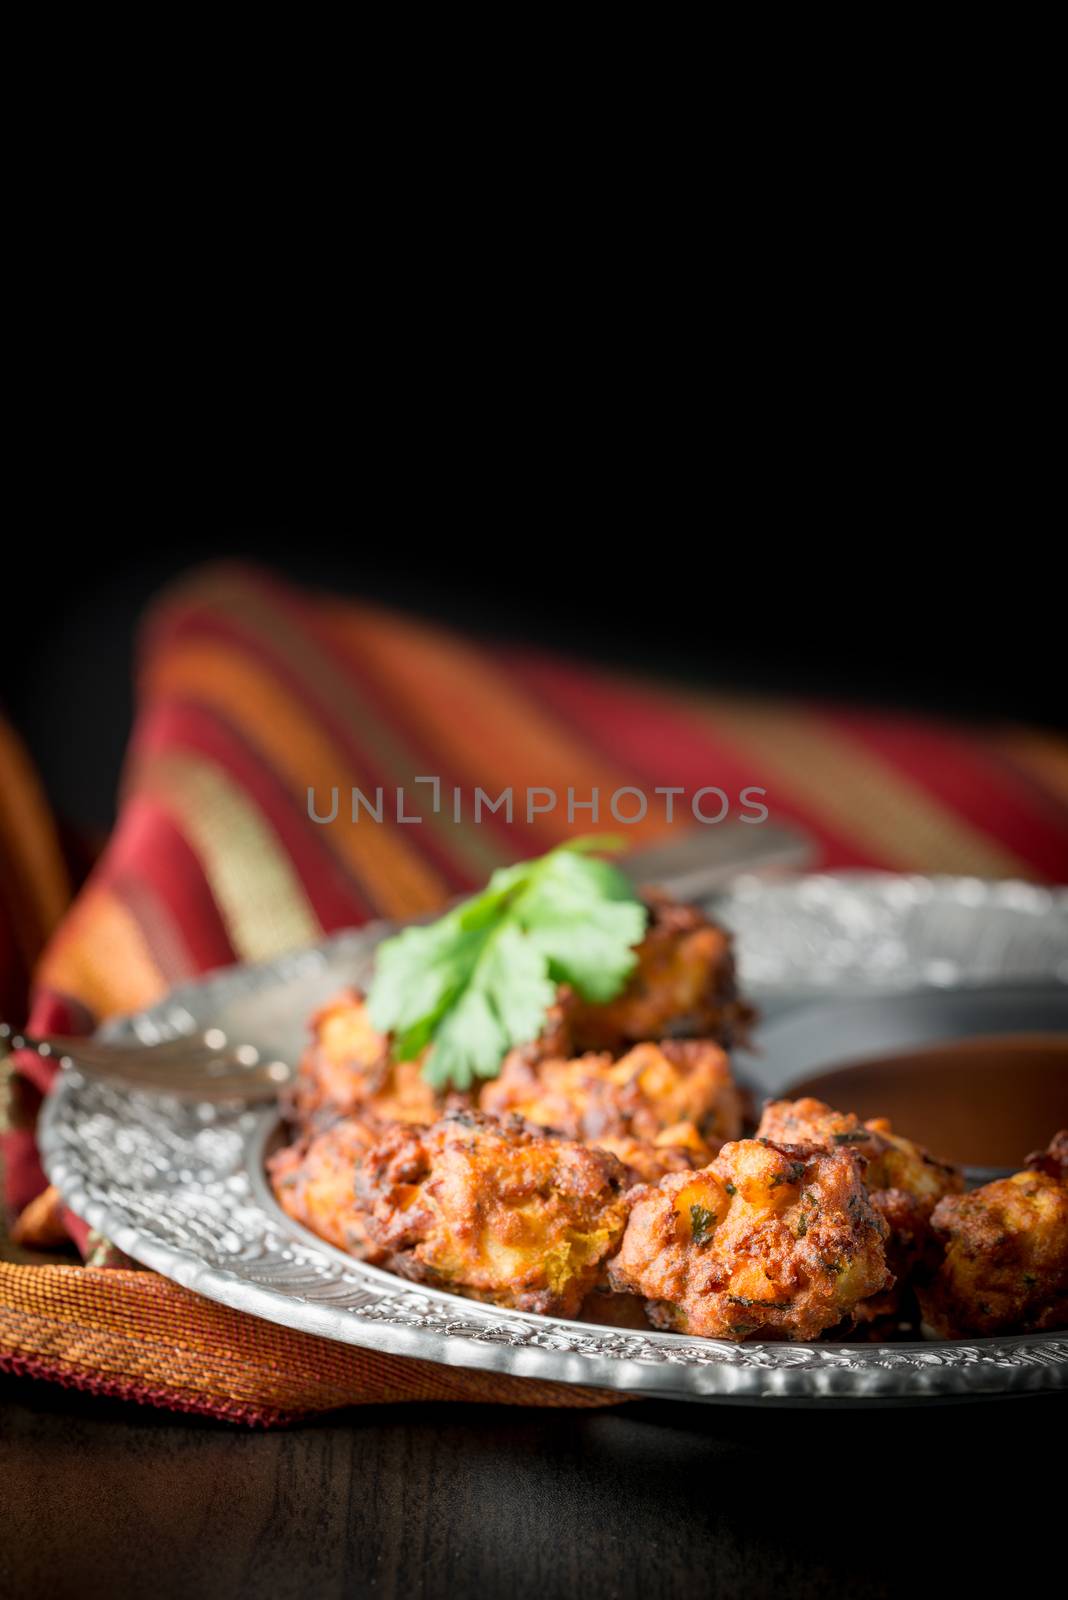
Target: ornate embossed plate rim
{"points": [[389, 1314]]}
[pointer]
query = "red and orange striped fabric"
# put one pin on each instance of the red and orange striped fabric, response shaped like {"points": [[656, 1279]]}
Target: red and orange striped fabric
{"points": [[250, 694]]}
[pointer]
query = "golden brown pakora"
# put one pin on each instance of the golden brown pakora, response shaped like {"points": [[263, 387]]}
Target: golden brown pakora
{"points": [[892, 1162], [904, 1181], [314, 1181], [347, 1070], [677, 1092], [776, 1240], [496, 1210], [1054, 1159], [683, 986], [1005, 1262], [648, 1163]]}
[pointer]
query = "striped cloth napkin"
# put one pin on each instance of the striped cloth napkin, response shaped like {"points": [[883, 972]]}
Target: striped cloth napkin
{"points": [[252, 694]]}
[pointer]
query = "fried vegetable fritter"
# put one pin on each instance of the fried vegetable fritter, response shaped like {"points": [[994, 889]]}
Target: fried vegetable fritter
{"points": [[347, 1070], [494, 1210], [903, 1180], [499, 1210], [682, 987], [776, 1240], [648, 1163], [893, 1162], [1054, 1159], [1005, 1267], [681, 1085], [314, 1181]]}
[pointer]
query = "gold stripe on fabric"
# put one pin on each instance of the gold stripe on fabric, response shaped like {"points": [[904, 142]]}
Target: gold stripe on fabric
{"points": [[299, 648], [260, 897], [396, 878], [855, 792], [488, 729]]}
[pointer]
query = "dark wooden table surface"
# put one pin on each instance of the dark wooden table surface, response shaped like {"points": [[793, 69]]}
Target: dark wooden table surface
{"points": [[654, 1499]]}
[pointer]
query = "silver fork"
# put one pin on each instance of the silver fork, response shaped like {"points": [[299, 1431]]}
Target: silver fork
{"points": [[202, 1066]]}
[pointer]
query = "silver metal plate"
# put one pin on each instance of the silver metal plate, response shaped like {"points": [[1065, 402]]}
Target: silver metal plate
{"points": [[857, 933], [181, 1188]]}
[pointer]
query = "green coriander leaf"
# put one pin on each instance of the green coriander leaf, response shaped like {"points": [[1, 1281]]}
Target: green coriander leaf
{"points": [[481, 978], [609, 844], [592, 947], [417, 972], [566, 873], [702, 1224], [470, 1043], [514, 976], [584, 915], [413, 1041]]}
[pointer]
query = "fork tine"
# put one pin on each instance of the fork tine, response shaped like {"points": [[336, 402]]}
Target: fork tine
{"points": [[244, 1084], [132, 1056], [214, 1041], [204, 1066], [208, 1045]]}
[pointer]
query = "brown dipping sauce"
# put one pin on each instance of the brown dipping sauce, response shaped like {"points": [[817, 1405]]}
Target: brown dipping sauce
{"points": [[984, 1102]]}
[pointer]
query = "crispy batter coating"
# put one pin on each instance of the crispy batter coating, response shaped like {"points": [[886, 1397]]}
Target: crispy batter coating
{"points": [[1005, 1267], [903, 1180], [681, 1086], [776, 1240], [494, 1210], [1054, 1159], [893, 1162], [648, 1163], [501, 1211], [314, 1181], [347, 1070], [682, 987]]}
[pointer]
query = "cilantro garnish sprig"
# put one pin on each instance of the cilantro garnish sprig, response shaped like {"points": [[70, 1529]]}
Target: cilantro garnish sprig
{"points": [[482, 978]]}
